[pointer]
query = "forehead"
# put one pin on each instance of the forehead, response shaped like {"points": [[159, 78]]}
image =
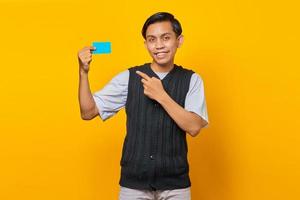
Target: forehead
{"points": [[159, 28]]}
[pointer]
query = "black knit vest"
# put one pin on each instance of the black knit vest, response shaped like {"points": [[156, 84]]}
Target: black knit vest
{"points": [[154, 154]]}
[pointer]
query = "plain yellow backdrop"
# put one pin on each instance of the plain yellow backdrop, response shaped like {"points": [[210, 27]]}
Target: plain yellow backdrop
{"points": [[247, 53]]}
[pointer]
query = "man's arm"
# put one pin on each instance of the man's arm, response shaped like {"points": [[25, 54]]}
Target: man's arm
{"points": [[88, 109], [186, 120]]}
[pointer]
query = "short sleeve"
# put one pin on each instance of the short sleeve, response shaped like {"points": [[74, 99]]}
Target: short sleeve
{"points": [[112, 97], [195, 99]]}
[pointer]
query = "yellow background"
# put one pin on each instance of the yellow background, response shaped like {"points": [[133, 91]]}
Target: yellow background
{"points": [[246, 51]]}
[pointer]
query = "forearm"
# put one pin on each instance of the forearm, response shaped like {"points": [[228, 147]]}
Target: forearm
{"points": [[186, 120], [87, 104]]}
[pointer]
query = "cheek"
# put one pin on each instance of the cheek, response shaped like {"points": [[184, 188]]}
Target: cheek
{"points": [[150, 47], [172, 49], [172, 46]]}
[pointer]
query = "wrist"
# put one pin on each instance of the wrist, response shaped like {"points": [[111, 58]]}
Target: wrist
{"points": [[83, 72], [163, 98]]}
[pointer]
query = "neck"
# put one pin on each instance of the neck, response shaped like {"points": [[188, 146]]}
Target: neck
{"points": [[162, 68]]}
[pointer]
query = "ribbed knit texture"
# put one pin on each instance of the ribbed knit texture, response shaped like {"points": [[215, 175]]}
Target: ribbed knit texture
{"points": [[154, 154]]}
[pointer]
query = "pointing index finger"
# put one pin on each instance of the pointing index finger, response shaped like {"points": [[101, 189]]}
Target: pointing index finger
{"points": [[143, 75]]}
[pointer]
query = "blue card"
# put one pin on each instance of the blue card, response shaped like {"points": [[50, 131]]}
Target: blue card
{"points": [[101, 47]]}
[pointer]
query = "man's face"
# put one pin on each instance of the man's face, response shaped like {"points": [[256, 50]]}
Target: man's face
{"points": [[161, 42]]}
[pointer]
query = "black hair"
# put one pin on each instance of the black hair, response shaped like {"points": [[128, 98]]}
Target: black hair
{"points": [[160, 17]]}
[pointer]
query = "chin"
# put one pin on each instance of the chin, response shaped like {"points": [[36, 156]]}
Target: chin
{"points": [[162, 62]]}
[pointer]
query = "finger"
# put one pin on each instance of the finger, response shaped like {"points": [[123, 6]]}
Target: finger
{"points": [[145, 76], [84, 52], [145, 86], [144, 81], [92, 48], [88, 49]]}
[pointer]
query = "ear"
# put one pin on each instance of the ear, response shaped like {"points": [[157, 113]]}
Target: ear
{"points": [[145, 44], [180, 40]]}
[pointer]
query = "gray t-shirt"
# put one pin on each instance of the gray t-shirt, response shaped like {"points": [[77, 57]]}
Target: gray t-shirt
{"points": [[112, 97]]}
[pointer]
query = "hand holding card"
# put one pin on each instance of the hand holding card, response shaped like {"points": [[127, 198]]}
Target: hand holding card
{"points": [[101, 47]]}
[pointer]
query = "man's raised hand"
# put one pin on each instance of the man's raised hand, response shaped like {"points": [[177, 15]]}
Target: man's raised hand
{"points": [[153, 87], [85, 58]]}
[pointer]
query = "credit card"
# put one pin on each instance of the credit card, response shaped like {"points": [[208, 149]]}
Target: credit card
{"points": [[101, 47]]}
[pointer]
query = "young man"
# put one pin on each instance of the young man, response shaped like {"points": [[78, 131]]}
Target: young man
{"points": [[163, 102]]}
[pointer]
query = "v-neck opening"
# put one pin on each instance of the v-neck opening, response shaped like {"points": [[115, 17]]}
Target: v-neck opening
{"points": [[166, 76]]}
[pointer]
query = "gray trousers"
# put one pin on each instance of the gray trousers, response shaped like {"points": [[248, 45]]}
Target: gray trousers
{"points": [[133, 194]]}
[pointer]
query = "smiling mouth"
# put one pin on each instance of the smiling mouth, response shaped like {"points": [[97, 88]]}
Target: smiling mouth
{"points": [[161, 54]]}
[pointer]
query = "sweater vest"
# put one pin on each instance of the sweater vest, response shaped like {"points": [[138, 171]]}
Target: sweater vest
{"points": [[154, 153]]}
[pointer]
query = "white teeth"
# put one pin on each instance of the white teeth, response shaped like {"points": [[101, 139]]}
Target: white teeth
{"points": [[160, 55]]}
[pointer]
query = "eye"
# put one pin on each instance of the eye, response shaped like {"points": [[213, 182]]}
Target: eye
{"points": [[150, 39], [166, 38]]}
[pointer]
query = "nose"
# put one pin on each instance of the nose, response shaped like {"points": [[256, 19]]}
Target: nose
{"points": [[159, 44]]}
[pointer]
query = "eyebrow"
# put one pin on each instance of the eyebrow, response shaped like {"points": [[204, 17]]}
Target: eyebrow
{"points": [[161, 35]]}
